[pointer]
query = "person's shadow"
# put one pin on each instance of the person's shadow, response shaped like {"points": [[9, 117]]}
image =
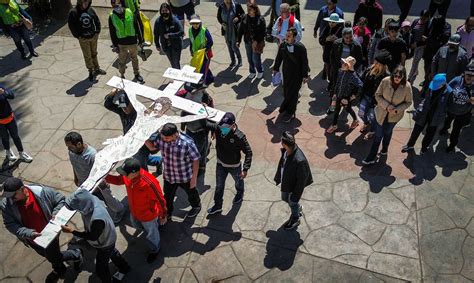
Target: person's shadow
{"points": [[282, 247]]}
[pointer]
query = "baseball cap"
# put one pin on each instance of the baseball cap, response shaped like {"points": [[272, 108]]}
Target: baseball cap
{"points": [[130, 165], [455, 39], [195, 19], [438, 81], [470, 68], [227, 120], [10, 186], [406, 24]]}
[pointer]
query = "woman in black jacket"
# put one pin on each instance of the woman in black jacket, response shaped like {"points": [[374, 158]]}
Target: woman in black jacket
{"points": [[229, 16], [252, 28], [329, 34], [168, 33], [371, 79]]}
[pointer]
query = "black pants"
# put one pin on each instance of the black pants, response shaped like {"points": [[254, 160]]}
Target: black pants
{"points": [[404, 6], [10, 130], [442, 8], [348, 108], [291, 89], [102, 262], [459, 122], [427, 139], [55, 256], [170, 191]]}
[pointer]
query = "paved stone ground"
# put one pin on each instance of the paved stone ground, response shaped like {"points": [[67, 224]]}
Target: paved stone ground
{"points": [[408, 218]]}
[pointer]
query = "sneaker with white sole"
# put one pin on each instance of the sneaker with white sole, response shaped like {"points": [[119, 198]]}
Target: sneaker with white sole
{"points": [[10, 155], [406, 148], [259, 75], [214, 210], [25, 157], [251, 75], [193, 212]]}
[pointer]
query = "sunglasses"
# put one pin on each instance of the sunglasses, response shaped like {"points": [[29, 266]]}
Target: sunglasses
{"points": [[398, 76]]}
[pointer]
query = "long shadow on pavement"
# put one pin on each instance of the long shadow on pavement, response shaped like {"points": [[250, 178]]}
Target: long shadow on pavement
{"points": [[282, 247]]}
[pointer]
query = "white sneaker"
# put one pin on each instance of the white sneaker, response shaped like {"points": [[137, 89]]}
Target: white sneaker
{"points": [[259, 75], [10, 155], [251, 76], [25, 157]]}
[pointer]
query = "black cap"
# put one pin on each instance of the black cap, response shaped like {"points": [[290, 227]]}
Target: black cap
{"points": [[130, 165], [228, 119], [470, 68], [394, 26], [10, 186], [383, 57], [169, 129]]}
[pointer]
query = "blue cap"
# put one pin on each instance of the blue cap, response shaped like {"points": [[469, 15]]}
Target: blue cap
{"points": [[438, 81]]}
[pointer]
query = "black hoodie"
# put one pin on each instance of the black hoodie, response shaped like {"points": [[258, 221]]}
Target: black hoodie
{"points": [[83, 23]]}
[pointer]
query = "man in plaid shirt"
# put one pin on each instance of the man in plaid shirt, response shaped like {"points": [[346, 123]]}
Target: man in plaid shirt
{"points": [[180, 166]]}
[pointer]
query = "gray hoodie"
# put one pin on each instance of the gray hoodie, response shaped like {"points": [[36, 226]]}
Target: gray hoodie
{"points": [[91, 209]]}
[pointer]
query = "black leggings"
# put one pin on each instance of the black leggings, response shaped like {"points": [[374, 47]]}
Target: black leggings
{"points": [[348, 108], [10, 130], [460, 121]]}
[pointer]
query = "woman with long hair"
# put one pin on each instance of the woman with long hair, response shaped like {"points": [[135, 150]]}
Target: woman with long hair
{"points": [[371, 79]]}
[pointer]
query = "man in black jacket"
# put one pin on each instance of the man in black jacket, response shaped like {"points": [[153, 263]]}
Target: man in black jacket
{"points": [[85, 26], [230, 142], [294, 175], [124, 34]]}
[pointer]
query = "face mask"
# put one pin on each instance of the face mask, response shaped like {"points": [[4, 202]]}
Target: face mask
{"points": [[118, 9], [165, 15], [224, 131]]}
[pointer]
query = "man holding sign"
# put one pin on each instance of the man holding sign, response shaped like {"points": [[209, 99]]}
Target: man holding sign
{"points": [[26, 210]]}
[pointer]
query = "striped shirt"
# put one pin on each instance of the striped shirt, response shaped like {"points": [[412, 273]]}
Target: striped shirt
{"points": [[178, 158]]}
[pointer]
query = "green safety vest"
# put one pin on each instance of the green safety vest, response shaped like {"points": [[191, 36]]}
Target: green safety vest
{"points": [[200, 41], [10, 13], [133, 5], [124, 28]]}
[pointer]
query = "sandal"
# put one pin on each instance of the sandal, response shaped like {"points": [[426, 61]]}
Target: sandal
{"points": [[331, 129], [354, 124]]}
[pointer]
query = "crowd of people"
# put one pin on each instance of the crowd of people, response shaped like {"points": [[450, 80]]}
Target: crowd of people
{"points": [[363, 64]]}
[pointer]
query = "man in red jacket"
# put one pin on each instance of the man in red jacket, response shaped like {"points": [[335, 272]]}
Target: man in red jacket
{"points": [[145, 199]]}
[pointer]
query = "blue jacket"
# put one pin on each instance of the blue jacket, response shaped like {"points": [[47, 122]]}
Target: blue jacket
{"points": [[459, 102], [324, 13], [175, 32], [438, 114]]}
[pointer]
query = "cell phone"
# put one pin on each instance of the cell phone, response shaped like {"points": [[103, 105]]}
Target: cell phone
{"points": [[119, 276]]}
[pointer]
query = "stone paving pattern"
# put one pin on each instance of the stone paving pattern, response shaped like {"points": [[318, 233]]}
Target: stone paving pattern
{"points": [[409, 218]]}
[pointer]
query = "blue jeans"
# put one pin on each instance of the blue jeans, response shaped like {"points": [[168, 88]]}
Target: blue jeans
{"points": [[383, 134], [255, 59], [233, 50], [366, 111], [151, 230], [174, 56], [19, 33], [221, 176], [295, 207]]}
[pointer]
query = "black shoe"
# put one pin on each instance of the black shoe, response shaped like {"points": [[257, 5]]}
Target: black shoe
{"points": [[100, 72], [214, 210], [23, 56], [289, 118], [139, 78], [292, 224], [238, 199], [406, 148], [239, 64], [79, 262], [34, 54], [194, 211], [232, 64], [384, 152], [91, 76], [450, 149], [151, 257]]}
